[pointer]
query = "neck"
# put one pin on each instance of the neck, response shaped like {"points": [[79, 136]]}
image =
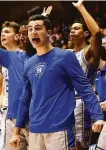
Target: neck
{"points": [[44, 49], [79, 45], [12, 47]]}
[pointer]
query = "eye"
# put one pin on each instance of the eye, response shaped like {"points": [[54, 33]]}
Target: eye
{"points": [[37, 28], [77, 28], [29, 29]]}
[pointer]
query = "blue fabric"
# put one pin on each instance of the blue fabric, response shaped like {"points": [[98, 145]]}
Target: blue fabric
{"points": [[14, 62], [100, 84], [51, 102]]}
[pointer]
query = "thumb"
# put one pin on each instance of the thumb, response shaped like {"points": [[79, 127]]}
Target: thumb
{"points": [[73, 3], [93, 127]]}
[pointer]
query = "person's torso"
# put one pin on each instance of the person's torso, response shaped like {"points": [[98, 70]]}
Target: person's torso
{"points": [[15, 73], [53, 98]]}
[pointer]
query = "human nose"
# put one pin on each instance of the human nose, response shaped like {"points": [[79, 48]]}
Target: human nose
{"points": [[2, 34], [72, 30]]}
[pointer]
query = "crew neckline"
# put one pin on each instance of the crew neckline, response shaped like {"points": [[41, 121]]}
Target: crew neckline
{"points": [[43, 55]]}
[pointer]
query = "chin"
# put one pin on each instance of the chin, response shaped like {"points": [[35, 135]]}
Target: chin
{"points": [[3, 44]]}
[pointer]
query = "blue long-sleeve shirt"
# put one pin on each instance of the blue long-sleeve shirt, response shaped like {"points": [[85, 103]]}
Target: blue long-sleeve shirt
{"points": [[100, 83], [48, 94], [14, 62]]}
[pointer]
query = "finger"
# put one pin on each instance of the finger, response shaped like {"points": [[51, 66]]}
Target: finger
{"points": [[44, 9], [101, 103], [49, 9], [74, 3], [96, 128], [18, 143], [104, 107], [13, 144], [81, 1], [100, 128], [93, 127]]}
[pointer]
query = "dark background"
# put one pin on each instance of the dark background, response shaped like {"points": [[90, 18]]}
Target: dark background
{"points": [[62, 10]]}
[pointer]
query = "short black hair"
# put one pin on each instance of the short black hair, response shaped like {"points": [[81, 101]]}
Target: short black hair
{"points": [[47, 22], [81, 21]]}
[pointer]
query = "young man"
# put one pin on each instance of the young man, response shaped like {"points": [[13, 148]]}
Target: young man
{"points": [[13, 59], [4, 105], [89, 57], [24, 40], [48, 95]]}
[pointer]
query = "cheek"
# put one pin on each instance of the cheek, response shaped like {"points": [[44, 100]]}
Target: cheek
{"points": [[29, 37], [9, 37]]}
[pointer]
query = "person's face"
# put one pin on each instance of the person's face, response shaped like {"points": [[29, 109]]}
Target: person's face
{"points": [[37, 33], [76, 31], [8, 36], [23, 37]]}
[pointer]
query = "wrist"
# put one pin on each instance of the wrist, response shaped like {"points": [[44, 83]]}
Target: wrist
{"points": [[81, 8], [17, 131]]}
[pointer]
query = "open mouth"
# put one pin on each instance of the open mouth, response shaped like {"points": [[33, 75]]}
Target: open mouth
{"points": [[36, 40], [3, 40]]}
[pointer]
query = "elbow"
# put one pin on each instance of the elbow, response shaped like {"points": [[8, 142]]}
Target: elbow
{"points": [[97, 32]]}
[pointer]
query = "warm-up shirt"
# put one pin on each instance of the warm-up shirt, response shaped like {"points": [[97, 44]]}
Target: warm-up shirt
{"points": [[51, 79], [14, 62], [100, 84]]}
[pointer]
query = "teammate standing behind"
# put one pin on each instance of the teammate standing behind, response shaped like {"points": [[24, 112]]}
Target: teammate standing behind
{"points": [[13, 59], [89, 57]]}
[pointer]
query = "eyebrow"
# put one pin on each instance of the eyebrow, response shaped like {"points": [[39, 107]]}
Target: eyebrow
{"points": [[35, 25]]}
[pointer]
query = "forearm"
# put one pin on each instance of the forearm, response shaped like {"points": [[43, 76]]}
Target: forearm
{"points": [[90, 22]]}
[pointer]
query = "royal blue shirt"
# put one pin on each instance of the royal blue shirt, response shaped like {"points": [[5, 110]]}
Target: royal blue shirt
{"points": [[14, 62], [100, 84], [48, 95]]}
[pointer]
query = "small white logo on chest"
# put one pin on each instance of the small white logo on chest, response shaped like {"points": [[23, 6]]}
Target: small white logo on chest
{"points": [[39, 69]]}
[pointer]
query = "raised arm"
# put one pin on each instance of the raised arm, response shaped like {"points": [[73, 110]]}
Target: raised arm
{"points": [[4, 58], [93, 53]]}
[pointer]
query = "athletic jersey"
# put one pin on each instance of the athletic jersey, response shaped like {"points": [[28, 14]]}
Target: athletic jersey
{"points": [[88, 69], [14, 62], [5, 86], [100, 83], [48, 94], [90, 72]]}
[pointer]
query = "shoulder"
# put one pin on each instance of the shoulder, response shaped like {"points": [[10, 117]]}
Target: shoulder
{"points": [[64, 52], [30, 60]]}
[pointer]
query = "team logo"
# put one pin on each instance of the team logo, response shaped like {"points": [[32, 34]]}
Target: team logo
{"points": [[39, 69]]}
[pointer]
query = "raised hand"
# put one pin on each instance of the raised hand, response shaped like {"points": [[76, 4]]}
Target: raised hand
{"points": [[46, 12], [78, 4]]}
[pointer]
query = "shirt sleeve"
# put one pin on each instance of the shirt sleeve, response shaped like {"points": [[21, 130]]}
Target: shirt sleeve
{"points": [[4, 58], [23, 111], [83, 87]]}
